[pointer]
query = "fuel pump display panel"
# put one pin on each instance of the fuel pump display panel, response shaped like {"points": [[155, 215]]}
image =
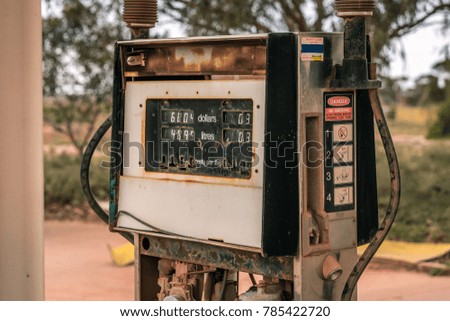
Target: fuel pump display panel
{"points": [[211, 137]]}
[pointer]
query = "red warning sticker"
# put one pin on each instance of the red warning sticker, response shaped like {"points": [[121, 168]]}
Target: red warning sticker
{"points": [[338, 106], [339, 114]]}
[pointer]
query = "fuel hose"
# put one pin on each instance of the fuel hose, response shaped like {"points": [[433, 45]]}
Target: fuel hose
{"points": [[84, 175], [394, 201]]}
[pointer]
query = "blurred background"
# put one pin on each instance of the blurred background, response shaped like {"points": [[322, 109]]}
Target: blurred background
{"points": [[410, 42], [79, 38]]}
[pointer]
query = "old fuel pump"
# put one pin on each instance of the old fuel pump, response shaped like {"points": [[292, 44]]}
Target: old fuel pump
{"points": [[250, 153]]}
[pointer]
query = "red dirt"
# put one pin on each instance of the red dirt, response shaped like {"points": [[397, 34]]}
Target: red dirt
{"points": [[78, 267]]}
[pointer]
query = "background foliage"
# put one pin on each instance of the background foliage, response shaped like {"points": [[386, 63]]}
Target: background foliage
{"points": [[392, 20], [78, 45], [78, 48]]}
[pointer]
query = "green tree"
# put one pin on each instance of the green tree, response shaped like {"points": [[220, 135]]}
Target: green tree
{"points": [[392, 92], [441, 128], [78, 45], [392, 20], [427, 90]]}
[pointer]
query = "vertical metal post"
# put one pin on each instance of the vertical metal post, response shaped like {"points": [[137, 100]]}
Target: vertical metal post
{"points": [[355, 38], [21, 161]]}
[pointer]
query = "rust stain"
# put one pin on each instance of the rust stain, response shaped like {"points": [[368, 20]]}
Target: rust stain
{"points": [[201, 60], [218, 257], [213, 180], [198, 51]]}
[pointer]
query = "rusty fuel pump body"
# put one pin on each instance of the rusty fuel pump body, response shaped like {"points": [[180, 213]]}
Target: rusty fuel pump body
{"points": [[250, 154]]}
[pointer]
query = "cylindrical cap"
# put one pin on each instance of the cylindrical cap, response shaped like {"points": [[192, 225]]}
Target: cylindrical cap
{"points": [[354, 8], [331, 269], [140, 14]]}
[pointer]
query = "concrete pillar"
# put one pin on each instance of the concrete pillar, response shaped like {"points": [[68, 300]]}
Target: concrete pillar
{"points": [[21, 164]]}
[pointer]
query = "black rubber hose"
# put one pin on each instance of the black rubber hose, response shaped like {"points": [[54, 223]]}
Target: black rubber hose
{"points": [[394, 202], [84, 175]]}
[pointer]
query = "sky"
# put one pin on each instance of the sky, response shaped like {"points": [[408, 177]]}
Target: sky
{"points": [[423, 49]]}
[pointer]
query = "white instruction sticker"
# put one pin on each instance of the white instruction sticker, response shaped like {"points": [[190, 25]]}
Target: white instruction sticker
{"points": [[343, 175], [343, 196], [312, 41]]}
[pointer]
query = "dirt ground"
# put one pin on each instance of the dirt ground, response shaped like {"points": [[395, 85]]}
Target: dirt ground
{"points": [[78, 267]]}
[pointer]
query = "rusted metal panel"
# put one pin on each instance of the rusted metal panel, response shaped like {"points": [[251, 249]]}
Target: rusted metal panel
{"points": [[196, 59], [258, 39], [214, 256]]}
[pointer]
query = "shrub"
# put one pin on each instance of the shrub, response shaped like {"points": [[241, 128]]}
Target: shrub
{"points": [[441, 128], [424, 206], [62, 181]]}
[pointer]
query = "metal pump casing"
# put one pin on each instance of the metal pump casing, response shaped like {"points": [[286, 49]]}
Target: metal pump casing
{"points": [[294, 198]]}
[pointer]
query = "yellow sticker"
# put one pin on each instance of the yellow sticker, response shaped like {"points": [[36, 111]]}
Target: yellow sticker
{"points": [[312, 57]]}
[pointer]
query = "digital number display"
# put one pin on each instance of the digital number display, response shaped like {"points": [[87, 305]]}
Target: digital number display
{"points": [[210, 137], [237, 135], [177, 116], [237, 118], [182, 134]]}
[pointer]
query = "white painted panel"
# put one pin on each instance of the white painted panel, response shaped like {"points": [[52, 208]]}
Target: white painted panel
{"points": [[203, 211], [201, 207]]}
